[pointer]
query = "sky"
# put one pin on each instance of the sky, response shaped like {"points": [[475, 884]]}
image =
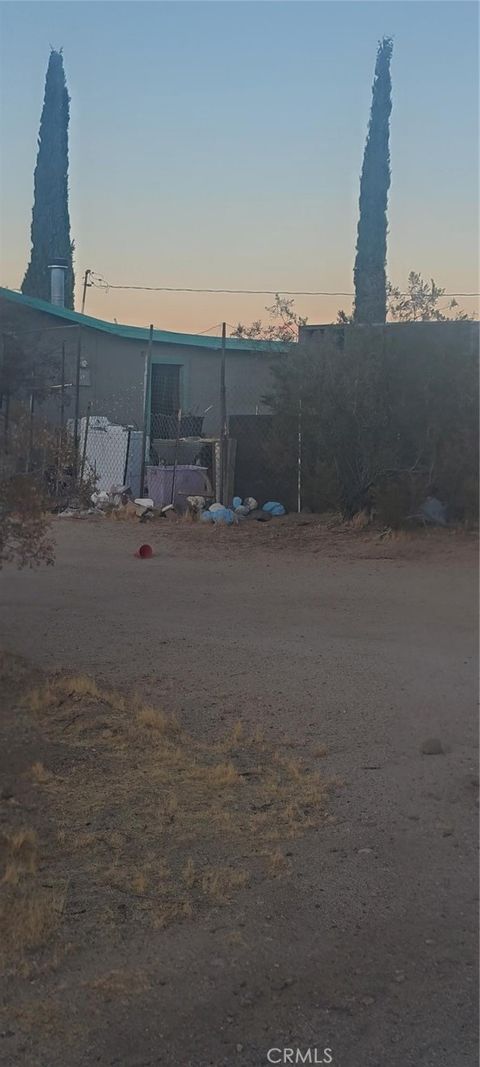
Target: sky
{"points": [[219, 145]]}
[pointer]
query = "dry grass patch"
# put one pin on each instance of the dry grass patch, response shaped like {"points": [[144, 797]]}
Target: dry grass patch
{"points": [[171, 911], [220, 884], [43, 1017], [277, 862], [71, 688], [18, 855], [119, 985], [28, 920], [40, 775], [157, 721], [155, 825]]}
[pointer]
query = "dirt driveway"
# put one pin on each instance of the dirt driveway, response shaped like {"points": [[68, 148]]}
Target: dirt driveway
{"points": [[322, 638]]}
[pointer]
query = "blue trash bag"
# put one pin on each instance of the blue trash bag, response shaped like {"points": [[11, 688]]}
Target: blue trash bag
{"points": [[236, 502], [433, 511], [274, 508], [223, 516], [206, 516]]}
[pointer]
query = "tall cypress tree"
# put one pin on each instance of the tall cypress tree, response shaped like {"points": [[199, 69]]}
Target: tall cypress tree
{"points": [[50, 230], [370, 262]]}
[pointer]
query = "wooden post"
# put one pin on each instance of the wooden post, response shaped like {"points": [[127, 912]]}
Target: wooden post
{"points": [[85, 439], [146, 397], [60, 456], [30, 429], [6, 397], [76, 443], [62, 392], [175, 457], [223, 420], [299, 458], [86, 283]]}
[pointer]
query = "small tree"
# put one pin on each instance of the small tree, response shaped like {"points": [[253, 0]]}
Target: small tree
{"points": [[284, 327], [420, 302]]}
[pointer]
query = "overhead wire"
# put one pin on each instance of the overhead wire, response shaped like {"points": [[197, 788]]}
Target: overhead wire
{"points": [[103, 284]]}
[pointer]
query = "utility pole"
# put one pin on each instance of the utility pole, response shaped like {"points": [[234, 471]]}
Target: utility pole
{"points": [[86, 285], [223, 420]]}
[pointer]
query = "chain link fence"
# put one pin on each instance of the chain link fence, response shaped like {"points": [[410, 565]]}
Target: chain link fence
{"points": [[76, 431]]}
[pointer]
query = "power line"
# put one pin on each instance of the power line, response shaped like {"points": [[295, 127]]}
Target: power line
{"points": [[102, 284], [216, 326]]}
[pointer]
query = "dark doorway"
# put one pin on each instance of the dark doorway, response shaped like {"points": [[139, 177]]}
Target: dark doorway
{"points": [[165, 399]]}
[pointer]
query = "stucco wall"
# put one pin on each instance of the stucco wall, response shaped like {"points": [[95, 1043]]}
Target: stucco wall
{"points": [[116, 368]]}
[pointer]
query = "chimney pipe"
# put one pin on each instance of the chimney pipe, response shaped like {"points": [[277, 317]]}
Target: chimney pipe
{"points": [[58, 270]]}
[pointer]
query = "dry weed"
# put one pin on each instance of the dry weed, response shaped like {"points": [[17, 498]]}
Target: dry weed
{"points": [[218, 776], [156, 720], [38, 1017], [119, 984], [360, 521], [219, 883], [277, 862], [189, 873], [74, 687], [40, 775], [238, 732], [170, 911], [28, 920], [19, 853], [139, 883], [236, 939]]}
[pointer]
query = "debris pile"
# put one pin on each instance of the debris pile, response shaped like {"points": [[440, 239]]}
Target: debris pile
{"points": [[219, 514], [118, 500]]}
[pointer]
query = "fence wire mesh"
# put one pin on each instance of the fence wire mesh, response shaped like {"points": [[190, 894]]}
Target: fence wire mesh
{"points": [[79, 418]]}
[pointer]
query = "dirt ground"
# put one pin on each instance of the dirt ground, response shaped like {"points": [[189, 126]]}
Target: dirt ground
{"points": [[298, 668]]}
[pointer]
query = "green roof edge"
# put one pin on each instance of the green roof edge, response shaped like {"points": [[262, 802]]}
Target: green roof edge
{"points": [[139, 333]]}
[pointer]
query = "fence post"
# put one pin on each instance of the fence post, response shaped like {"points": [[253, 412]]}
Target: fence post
{"points": [[146, 394], [175, 457], [76, 442], [5, 396], [85, 439], [60, 456], [6, 422], [62, 392], [223, 420], [31, 420], [299, 458]]}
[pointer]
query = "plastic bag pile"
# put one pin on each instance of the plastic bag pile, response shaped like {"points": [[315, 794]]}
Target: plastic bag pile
{"points": [[240, 509]]}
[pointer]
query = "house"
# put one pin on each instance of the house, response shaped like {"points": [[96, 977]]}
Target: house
{"points": [[167, 388], [184, 374]]}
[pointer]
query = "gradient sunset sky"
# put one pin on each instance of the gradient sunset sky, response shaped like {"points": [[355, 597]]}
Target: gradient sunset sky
{"points": [[220, 145]]}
